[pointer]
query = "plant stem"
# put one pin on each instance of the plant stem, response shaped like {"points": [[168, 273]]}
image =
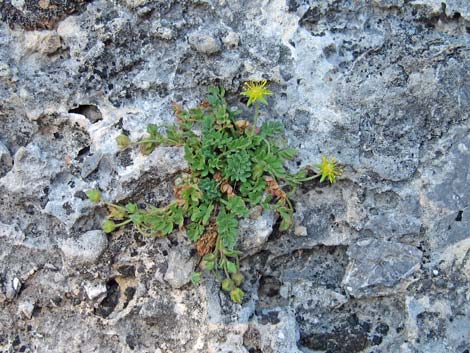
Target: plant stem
{"points": [[123, 223], [255, 120], [309, 178]]}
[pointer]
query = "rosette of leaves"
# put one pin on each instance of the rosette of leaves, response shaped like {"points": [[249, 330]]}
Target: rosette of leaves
{"points": [[234, 166]]}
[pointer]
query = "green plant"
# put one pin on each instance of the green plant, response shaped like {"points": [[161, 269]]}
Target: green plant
{"points": [[234, 166], [94, 195]]}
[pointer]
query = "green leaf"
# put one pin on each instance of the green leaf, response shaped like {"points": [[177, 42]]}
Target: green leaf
{"points": [[201, 213], [137, 218], [94, 195], [227, 226], [196, 278], [209, 257], [286, 216], [147, 148], [207, 214], [195, 230], [209, 189], [174, 137], [152, 129], [227, 285], [231, 267], [287, 153], [131, 207], [167, 227], [232, 253], [123, 141], [240, 143], [238, 278], [236, 205], [254, 190], [117, 212], [238, 167], [191, 195], [209, 265], [274, 165], [285, 224], [271, 128], [108, 226], [236, 295]]}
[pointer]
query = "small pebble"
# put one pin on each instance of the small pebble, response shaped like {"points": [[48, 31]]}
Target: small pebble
{"points": [[204, 43], [231, 40], [26, 309], [300, 231]]}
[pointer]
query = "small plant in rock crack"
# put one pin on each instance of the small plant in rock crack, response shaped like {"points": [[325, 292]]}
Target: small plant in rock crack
{"points": [[234, 165]]}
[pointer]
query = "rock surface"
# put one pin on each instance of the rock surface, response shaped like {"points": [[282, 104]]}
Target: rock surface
{"points": [[379, 262]]}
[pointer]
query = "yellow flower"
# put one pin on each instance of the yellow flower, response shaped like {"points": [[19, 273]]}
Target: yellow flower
{"points": [[256, 91], [328, 169]]}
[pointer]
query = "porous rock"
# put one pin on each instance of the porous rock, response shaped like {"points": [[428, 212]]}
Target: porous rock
{"points": [[379, 267], [376, 262], [204, 42], [85, 249]]}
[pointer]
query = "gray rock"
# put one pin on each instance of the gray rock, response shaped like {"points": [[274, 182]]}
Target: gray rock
{"points": [[384, 87], [18, 4], [231, 40], [161, 164], [5, 71], [26, 309], [95, 291], [63, 195], [44, 42], [255, 232], [33, 168], [155, 312], [180, 267], [204, 43], [380, 267], [278, 332], [11, 234], [13, 287], [86, 249], [6, 161]]}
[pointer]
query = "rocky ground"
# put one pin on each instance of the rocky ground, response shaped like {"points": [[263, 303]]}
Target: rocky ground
{"points": [[377, 263]]}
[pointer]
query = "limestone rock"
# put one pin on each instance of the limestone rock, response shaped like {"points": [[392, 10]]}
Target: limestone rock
{"points": [[380, 267], [204, 43], [26, 309], [44, 42], [86, 249], [255, 232], [377, 262], [179, 269], [6, 161], [231, 40]]}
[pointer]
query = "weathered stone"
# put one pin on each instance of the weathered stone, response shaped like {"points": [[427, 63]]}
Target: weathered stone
{"points": [[255, 232], [204, 43], [11, 233], [155, 312], [380, 267], [95, 291], [6, 161], [278, 332], [384, 87], [179, 269], [85, 249], [231, 40], [12, 287], [44, 42], [26, 309]]}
